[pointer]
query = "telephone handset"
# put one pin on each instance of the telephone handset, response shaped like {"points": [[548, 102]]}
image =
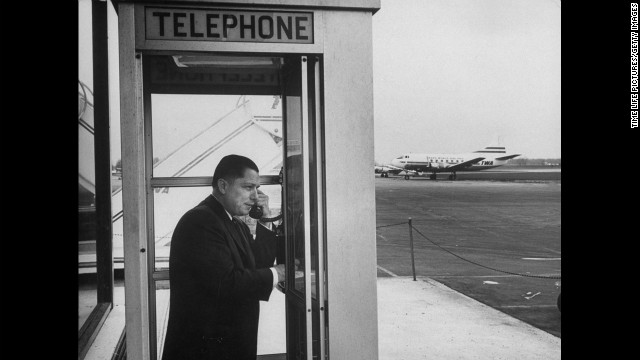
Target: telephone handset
{"points": [[256, 213]]}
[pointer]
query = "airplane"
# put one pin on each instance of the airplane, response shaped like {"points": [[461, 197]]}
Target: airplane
{"points": [[384, 170], [488, 158]]}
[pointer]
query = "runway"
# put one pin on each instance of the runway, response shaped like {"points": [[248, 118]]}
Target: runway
{"points": [[496, 240], [502, 173]]}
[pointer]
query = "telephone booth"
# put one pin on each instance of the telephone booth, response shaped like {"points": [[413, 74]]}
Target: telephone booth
{"points": [[289, 85]]}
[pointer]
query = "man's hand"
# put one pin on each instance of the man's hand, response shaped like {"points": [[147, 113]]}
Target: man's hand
{"points": [[280, 270], [263, 201]]}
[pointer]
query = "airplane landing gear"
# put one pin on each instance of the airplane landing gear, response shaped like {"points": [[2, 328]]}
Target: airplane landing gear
{"points": [[406, 177], [432, 176], [452, 176]]}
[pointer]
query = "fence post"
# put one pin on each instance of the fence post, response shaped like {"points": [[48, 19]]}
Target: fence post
{"points": [[413, 265]]}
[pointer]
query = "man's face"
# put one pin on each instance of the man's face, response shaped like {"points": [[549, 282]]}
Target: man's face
{"points": [[240, 194]]}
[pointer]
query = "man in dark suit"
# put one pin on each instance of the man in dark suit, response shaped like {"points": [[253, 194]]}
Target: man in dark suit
{"points": [[218, 273]]}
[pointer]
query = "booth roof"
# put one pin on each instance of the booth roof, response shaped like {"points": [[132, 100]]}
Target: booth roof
{"points": [[356, 5]]}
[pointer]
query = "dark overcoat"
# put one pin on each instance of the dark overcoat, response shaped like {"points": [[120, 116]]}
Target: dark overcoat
{"points": [[216, 285]]}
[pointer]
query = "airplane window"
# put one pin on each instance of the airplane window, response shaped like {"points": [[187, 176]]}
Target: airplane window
{"points": [[400, 157]]}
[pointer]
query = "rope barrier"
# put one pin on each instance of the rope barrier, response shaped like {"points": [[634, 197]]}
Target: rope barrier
{"points": [[445, 250], [383, 226], [467, 260], [484, 266]]}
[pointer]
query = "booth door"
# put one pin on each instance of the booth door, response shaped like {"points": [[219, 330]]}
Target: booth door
{"points": [[304, 215], [199, 107]]}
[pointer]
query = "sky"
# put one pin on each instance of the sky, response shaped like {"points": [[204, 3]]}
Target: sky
{"points": [[449, 76], [457, 75]]}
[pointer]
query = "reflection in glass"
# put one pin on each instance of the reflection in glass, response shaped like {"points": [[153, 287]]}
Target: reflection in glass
{"points": [[295, 183], [295, 216], [191, 133], [87, 282], [162, 313]]}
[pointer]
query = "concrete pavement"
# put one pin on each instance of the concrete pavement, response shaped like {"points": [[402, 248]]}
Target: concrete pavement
{"points": [[424, 319], [420, 319]]}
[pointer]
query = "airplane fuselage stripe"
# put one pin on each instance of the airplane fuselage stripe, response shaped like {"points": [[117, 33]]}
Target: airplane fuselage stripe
{"points": [[422, 163]]}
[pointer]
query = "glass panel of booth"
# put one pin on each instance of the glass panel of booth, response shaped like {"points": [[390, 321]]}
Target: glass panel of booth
{"points": [[191, 133], [295, 216], [301, 162], [201, 107], [295, 184], [295, 146], [170, 203], [206, 106], [161, 314], [87, 284]]}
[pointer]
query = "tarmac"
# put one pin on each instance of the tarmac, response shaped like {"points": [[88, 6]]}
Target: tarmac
{"points": [[498, 242]]}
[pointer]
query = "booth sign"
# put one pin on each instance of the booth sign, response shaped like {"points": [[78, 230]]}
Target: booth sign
{"points": [[189, 24]]}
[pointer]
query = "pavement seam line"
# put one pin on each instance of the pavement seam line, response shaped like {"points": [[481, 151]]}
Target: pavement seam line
{"points": [[387, 271]]}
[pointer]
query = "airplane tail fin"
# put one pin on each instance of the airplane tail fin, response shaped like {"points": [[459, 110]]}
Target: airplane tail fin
{"points": [[507, 157], [492, 150], [499, 152]]}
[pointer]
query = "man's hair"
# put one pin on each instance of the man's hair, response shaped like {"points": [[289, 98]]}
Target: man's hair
{"points": [[232, 167]]}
